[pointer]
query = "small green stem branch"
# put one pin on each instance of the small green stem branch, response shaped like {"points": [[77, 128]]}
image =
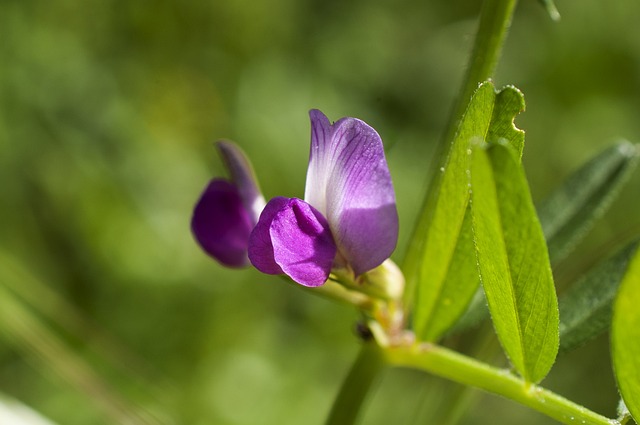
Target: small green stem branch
{"points": [[464, 370], [357, 385]]}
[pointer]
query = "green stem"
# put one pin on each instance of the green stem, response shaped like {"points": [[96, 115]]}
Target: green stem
{"points": [[357, 385], [464, 370], [337, 292], [495, 19]]}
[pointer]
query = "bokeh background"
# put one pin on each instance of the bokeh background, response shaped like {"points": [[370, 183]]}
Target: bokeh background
{"points": [[109, 312]]}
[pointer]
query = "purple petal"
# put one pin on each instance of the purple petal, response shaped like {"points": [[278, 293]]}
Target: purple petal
{"points": [[243, 177], [260, 246], [348, 180], [221, 224], [292, 237]]}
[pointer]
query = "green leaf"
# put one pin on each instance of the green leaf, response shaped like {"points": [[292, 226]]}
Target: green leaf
{"points": [[475, 313], [447, 274], [459, 287], [446, 218], [572, 209], [625, 338], [513, 262], [586, 308], [509, 102]]}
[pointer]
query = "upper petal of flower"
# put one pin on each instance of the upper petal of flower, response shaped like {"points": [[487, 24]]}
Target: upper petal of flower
{"points": [[243, 177], [292, 237], [221, 224], [348, 180]]}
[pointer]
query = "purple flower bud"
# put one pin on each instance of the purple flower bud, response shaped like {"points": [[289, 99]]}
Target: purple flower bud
{"points": [[227, 211]]}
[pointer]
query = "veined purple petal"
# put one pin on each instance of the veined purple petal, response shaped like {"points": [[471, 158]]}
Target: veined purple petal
{"points": [[243, 177], [302, 243], [293, 238], [221, 224], [260, 246], [348, 181]]}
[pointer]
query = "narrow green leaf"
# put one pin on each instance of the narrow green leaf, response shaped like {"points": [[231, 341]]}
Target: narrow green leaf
{"points": [[513, 262], [475, 313], [462, 278], [625, 338], [508, 103], [446, 218], [459, 287], [448, 274], [571, 210], [586, 308]]}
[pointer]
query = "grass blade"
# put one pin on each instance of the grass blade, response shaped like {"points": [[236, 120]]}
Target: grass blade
{"points": [[25, 328]]}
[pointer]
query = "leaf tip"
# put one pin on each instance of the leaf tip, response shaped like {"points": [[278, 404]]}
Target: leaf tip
{"points": [[628, 149], [551, 9]]}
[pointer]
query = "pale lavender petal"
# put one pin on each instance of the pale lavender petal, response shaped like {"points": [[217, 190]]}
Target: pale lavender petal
{"points": [[348, 181], [243, 177], [221, 224], [320, 161], [260, 247], [299, 242]]}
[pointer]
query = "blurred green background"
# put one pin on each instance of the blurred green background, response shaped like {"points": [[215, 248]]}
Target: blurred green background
{"points": [[109, 312]]}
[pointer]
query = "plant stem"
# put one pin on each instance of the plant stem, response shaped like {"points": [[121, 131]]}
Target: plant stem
{"points": [[357, 385], [448, 364], [336, 291], [495, 19]]}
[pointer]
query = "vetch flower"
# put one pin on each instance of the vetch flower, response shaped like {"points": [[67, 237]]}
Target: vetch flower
{"points": [[227, 211], [348, 219]]}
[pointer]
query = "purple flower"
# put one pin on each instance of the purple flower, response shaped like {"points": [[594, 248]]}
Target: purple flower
{"points": [[227, 211], [348, 219]]}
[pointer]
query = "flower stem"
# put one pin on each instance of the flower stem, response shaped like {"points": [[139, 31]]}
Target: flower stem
{"points": [[464, 370], [495, 19], [336, 291], [357, 385]]}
